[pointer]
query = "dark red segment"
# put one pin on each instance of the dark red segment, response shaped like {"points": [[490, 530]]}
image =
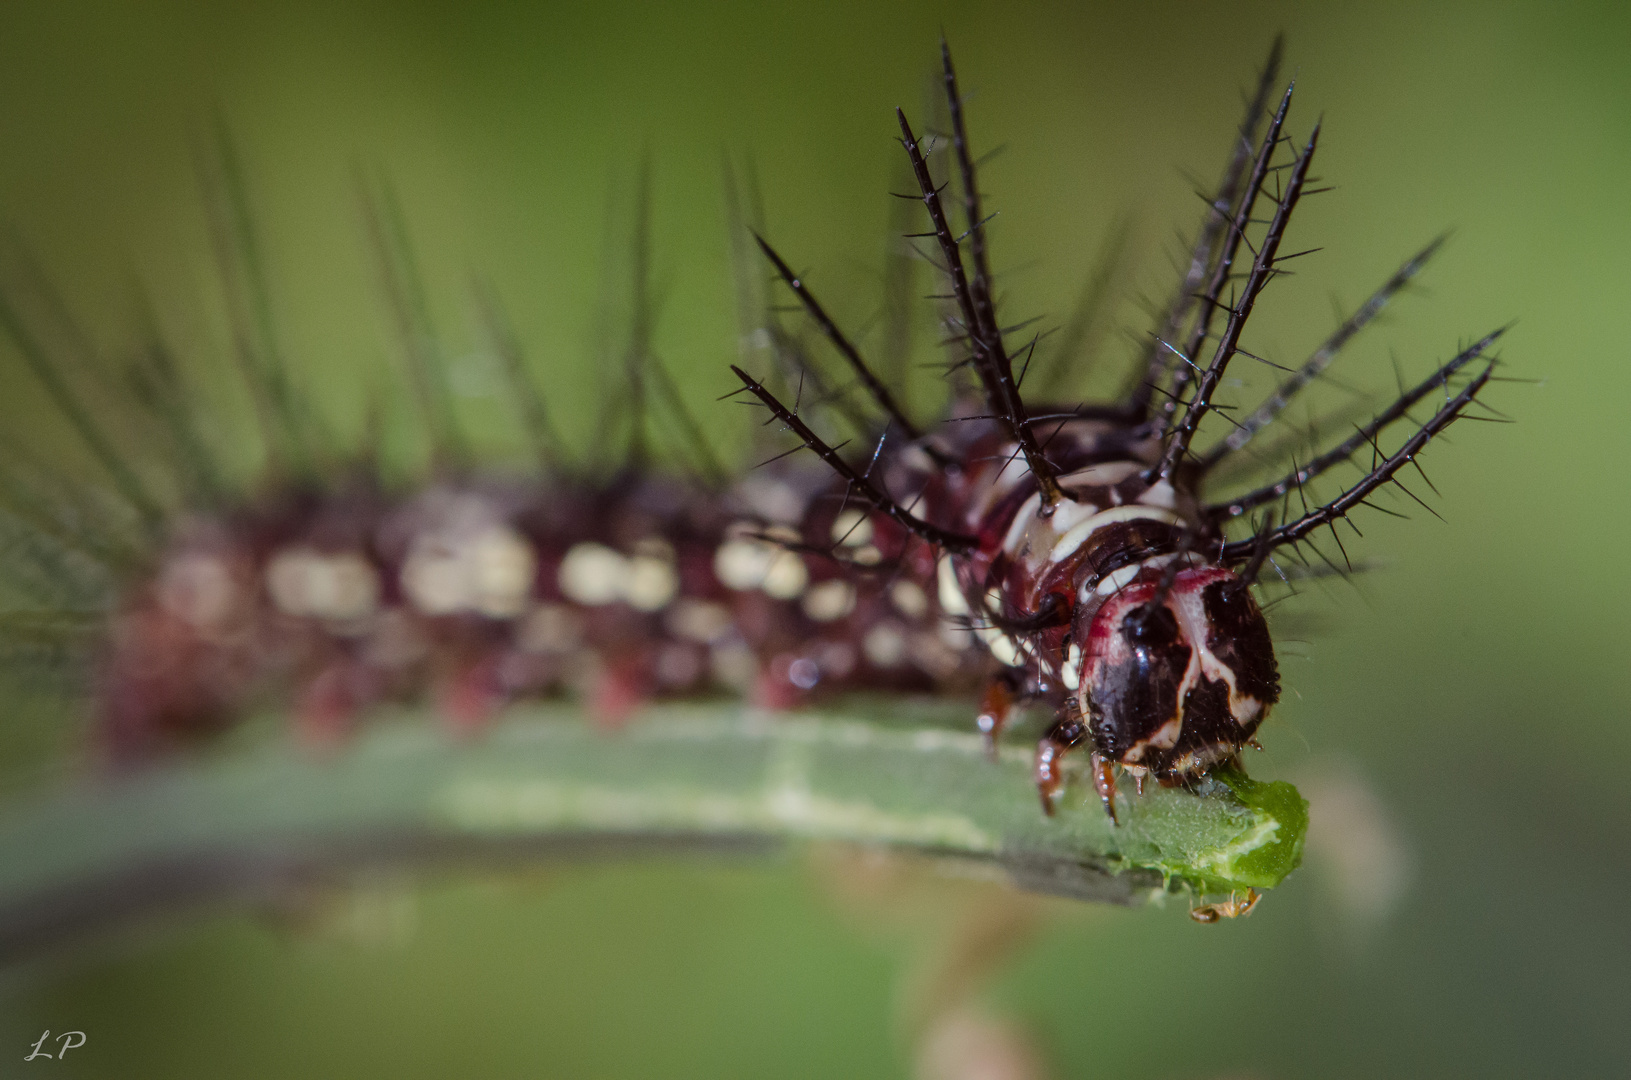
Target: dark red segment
{"points": [[207, 636]]}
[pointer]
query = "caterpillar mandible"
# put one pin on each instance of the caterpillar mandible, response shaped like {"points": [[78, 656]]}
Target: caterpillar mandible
{"points": [[1079, 541]]}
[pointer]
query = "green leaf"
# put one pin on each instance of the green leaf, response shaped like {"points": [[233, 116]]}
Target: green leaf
{"points": [[544, 784]]}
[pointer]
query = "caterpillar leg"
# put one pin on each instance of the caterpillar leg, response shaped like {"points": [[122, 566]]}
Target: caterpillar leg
{"points": [[1066, 732], [1104, 782], [996, 709]]}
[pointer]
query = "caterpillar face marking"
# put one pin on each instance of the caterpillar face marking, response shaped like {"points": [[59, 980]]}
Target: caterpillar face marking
{"points": [[1079, 542]]}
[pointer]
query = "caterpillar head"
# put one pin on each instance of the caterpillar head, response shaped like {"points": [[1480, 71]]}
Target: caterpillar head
{"points": [[1176, 679]]}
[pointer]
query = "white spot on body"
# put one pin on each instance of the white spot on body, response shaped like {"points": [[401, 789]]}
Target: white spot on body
{"points": [[885, 645], [1104, 474], [651, 584], [1070, 513], [957, 637], [697, 620], [1113, 582], [829, 600], [490, 572], [1021, 524], [1003, 647], [917, 458], [434, 583], [733, 664], [771, 499], [745, 564], [1071, 672], [1160, 493], [868, 555], [198, 588], [909, 599], [592, 574], [786, 577], [852, 529], [1032, 536], [307, 583], [502, 568]]}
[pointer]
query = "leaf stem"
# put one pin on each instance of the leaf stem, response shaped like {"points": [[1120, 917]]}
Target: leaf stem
{"points": [[242, 824]]}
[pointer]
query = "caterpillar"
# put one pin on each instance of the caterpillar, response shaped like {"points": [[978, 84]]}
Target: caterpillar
{"points": [[1081, 543], [1065, 555]]}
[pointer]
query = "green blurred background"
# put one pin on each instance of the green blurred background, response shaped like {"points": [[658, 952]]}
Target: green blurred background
{"points": [[1462, 714]]}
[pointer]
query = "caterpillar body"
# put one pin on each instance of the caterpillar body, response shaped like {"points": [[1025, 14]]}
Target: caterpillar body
{"points": [[478, 593], [328, 591]]}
